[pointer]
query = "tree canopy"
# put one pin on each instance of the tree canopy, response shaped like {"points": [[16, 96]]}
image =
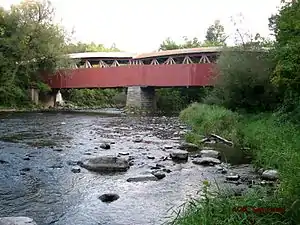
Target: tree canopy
{"points": [[286, 28], [30, 43], [90, 47], [215, 36]]}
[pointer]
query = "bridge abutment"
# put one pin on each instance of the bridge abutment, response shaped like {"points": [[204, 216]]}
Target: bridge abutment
{"points": [[141, 98], [46, 100], [34, 95]]}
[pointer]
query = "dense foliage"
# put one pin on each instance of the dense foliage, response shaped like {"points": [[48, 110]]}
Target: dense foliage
{"points": [[286, 76], [172, 100], [243, 81], [286, 27], [112, 97], [215, 36], [30, 44], [90, 47]]}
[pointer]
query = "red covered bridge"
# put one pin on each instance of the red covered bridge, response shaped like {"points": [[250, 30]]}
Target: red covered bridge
{"points": [[184, 67], [140, 73]]}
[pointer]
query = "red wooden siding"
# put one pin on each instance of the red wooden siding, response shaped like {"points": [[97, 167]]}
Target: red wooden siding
{"points": [[135, 75]]}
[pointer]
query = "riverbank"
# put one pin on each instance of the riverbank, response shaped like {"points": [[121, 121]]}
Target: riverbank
{"points": [[87, 110], [273, 145]]}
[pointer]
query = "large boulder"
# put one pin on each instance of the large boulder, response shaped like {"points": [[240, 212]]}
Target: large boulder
{"points": [[16, 221], [106, 164], [190, 147], [179, 155], [270, 175], [210, 153], [206, 161]]}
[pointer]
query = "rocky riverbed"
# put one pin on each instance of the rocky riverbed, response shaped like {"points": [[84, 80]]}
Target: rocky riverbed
{"points": [[44, 173]]}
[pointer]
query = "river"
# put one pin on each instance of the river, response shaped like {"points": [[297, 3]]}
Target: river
{"points": [[38, 151]]}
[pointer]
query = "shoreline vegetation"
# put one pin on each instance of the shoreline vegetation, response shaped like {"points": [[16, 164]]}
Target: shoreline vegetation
{"points": [[255, 104], [273, 145]]}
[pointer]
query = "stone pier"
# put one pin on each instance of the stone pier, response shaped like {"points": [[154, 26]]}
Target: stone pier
{"points": [[141, 98], [45, 99], [34, 95]]}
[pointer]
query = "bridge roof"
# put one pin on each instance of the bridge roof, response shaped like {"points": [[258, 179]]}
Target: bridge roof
{"points": [[179, 52], [89, 55], [101, 55], [127, 55]]}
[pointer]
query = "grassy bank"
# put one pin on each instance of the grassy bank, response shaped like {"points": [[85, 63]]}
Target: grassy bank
{"points": [[273, 144]]}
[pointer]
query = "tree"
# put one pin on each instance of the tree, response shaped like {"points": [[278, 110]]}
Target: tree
{"points": [[90, 47], [191, 43], [169, 44], [286, 52], [215, 35], [243, 81], [286, 29], [30, 45]]}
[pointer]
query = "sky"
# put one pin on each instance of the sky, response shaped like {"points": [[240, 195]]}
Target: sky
{"points": [[140, 26]]}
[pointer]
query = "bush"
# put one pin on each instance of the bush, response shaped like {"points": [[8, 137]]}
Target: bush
{"points": [[243, 81], [92, 97], [170, 100], [207, 119], [176, 99]]}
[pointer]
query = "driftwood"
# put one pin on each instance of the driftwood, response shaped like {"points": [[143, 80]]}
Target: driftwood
{"points": [[230, 143], [217, 138]]}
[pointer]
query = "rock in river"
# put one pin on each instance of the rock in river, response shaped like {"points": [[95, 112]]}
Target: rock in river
{"points": [[179, 155], [189, 147], [123, 153], [142, 178], [110, 197], [106, 164], [159, 175], [105, 146], [137, 139], [270, 175], [206, 161], [75, 169], [210, 153], [16, 221], [233, 177]]}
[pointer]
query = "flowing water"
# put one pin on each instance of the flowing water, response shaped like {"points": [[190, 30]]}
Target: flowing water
{"points": [[38, 151]]}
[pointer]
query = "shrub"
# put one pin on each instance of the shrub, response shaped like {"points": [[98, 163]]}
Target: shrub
{"points": [[176, 99], [92, 97], [243, 81], [207, 119]]}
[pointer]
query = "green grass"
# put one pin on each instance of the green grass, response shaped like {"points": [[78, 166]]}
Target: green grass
{"points": [[206, 119], [274, 144], [217, 209]]}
